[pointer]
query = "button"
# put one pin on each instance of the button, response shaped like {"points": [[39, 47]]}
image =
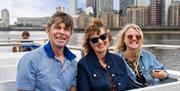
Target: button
{"points": [[143, 67], [113, 75], [119, 84], [94, 75], [108, 66]]}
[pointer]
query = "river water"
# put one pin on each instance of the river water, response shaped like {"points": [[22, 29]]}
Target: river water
{"points": [[170, 57]]}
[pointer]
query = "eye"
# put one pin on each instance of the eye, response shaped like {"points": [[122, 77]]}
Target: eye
{"points": [[67, 29]]}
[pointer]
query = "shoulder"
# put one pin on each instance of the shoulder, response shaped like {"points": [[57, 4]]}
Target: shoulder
{"points": [[36, 52], [146, 53], [33, 55], [84, 61], [115, 56], [116, 59]]}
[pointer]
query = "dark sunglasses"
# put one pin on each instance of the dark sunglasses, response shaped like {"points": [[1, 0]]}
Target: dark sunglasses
{"points": [[130, 37], [96, 39]]}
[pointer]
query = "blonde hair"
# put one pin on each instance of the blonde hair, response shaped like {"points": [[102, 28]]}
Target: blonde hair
{"points": [[93, 26], [120, 45]]}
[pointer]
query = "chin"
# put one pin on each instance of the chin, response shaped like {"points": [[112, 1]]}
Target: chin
{"points": [[134, 48]]}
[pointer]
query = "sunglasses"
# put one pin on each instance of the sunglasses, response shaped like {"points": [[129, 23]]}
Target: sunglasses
{"points": [[96, 39], [130, 37]]}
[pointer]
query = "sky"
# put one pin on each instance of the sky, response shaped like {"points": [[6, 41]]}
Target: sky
{"points": [[36, 8]]}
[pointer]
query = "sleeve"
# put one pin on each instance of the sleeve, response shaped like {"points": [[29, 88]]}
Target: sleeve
{"points": [[25, 79], [155, 63], [82, 79], [75, 75]]}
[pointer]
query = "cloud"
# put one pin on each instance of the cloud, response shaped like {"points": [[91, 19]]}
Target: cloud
{"points": [[29, 8]]}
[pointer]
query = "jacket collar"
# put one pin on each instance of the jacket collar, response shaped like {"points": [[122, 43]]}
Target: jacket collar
{"points": [[94, 60], [67, 53]]}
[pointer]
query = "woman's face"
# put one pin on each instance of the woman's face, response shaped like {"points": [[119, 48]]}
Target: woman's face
{"points": [[99, 43], [132, 39]]}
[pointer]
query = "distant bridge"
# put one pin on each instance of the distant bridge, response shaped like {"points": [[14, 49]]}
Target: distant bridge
{"points": [[177, 28]]}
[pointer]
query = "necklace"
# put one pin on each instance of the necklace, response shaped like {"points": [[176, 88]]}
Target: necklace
{"points": [[133, 63]]}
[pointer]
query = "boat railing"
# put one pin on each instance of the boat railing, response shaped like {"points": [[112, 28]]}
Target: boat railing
{"points": [[11, 42], [16, 42], [170, 84]]}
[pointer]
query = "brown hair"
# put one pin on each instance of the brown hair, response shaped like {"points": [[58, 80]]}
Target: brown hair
{"points": [[61, 17], [92, 27], [25, 33]]}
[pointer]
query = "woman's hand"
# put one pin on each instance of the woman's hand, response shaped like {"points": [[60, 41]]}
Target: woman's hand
{"points": [[159, 74]]}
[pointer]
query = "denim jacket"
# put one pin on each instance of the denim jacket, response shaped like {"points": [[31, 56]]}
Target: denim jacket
{"points": [[92, 77], [147, 63]]}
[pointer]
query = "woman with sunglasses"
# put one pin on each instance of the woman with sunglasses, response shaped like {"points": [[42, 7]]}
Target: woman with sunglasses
{"points": [[143, 67], [100, 70]]}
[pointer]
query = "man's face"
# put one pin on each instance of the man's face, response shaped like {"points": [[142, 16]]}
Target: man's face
{"points": [[59, 35]]}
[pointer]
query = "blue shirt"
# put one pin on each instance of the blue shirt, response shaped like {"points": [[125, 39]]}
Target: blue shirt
{"points": [[147, 63], [39, 70], [92, 77]]}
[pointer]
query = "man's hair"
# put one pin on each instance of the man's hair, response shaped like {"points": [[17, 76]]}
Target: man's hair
{"points": [[61, 17]]}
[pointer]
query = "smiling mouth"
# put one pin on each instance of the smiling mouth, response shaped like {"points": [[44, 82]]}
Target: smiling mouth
{"points": [[134, 42]]}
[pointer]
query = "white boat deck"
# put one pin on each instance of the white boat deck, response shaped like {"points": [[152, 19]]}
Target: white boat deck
{"points": [[9, 62]]}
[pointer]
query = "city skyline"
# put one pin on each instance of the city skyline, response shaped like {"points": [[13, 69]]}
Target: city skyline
{"points": [[37, 8]]}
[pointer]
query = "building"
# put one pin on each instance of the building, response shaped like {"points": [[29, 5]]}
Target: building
{"points": [[110, 19], [138, 15], [141, 3], [157, 12], [72, 7], [174, 14], [60, 8], [167, 5], [91, 3], [32, 21], [125, 3], [123, 6], [100, 5], [104, 5], [5, 22]]}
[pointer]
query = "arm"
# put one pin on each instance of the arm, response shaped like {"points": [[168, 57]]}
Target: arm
{"points": [[82, 79], [158, 70], [73, 88], [23, 90], [25, 79]]}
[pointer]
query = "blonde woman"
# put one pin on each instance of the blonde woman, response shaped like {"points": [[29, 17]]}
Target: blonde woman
{"points": [[142, 66]]}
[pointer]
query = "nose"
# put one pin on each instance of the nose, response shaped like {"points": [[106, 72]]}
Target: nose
{"points": [[134, 37], [99, 40], [61, 31]]}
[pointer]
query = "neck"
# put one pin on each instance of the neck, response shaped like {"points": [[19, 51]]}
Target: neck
{"points": [[100, 55], [101, 59], [59, 53], [130, 55], [102, 62]]}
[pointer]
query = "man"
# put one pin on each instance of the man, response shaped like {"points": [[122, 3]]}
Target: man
{"points": [[51, 67], [28, 44]]}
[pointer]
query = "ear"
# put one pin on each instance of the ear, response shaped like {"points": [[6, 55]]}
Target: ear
{"points": [[47, 31]]}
